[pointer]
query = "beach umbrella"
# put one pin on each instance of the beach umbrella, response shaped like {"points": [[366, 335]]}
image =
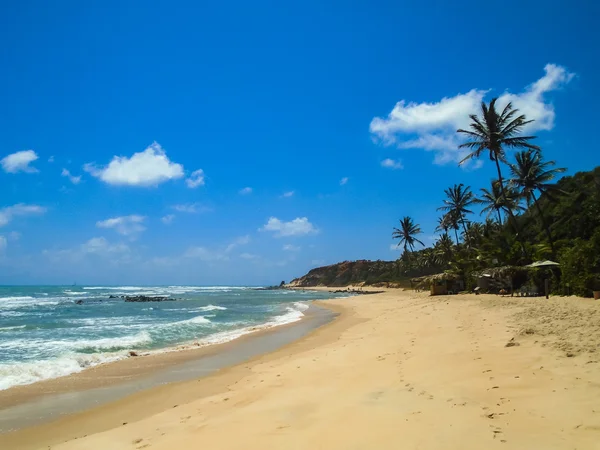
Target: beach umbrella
{"points": [[546, 263]]}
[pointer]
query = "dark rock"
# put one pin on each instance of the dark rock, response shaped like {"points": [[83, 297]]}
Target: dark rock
{"points": [[79, 302], [132, 353], [512, 344], [113, 296], [145, 298]]}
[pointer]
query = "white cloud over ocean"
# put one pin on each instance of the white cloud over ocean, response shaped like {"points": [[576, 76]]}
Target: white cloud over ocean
{"points": [[432, 126], [148, 168], [8, 213], [125, 225], [300, 226], [195, 179], [19, 162]]}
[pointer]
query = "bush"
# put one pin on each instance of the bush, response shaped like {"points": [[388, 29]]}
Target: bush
{"points": [[580, 264]]}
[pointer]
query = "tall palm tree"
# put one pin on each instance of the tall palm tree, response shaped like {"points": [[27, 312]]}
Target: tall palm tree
{"points": [[531, 173], [493, 200], [457, 203], [453, 220], [494, 132], [406, 234]]}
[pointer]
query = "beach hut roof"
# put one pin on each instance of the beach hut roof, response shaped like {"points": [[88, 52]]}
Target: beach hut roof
{"points": [[499, 272], [546, 263], [436, 277]]}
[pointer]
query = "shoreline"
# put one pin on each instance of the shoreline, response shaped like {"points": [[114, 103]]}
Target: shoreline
{"points": [[204, 342], [111, 381], [397, 369]]}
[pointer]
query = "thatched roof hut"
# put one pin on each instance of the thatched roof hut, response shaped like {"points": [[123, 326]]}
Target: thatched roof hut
{"points": [[439, 283], [494, 279]]}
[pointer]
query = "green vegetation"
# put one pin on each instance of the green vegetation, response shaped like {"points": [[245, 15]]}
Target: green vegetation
{"points": [[529, 216]]}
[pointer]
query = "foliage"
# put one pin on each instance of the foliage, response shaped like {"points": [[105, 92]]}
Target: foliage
{"points": [[546, 220], [580, 266], [407, 233]]}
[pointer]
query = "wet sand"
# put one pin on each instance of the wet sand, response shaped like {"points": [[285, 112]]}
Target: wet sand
{"points": [[394, 370], [47, 400]]}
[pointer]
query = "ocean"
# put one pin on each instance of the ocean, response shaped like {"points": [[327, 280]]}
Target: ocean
{"points": [[45, 333]]}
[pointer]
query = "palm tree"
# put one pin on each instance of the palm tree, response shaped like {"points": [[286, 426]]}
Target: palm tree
{"points": [[494, 132], [443, 247], [530, 174], [457, 203], [495, 201], [406, 234], [443, 224], [453, 220]]}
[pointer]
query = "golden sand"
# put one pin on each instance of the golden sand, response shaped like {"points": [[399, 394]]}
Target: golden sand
{"points": [[396, 370]]}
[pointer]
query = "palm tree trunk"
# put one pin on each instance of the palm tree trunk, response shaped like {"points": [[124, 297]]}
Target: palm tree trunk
{"points": [[499, 216], [544, 224], [456, 235], [467, 238], [510, 213]]}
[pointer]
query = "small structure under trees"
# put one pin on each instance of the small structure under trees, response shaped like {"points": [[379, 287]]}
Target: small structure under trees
{"points": [[440, 283]]}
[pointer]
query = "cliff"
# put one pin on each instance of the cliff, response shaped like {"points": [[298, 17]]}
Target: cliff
{"points": [[359, 272]]}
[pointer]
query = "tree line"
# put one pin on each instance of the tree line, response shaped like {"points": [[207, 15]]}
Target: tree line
{"points": [[529, 214]]}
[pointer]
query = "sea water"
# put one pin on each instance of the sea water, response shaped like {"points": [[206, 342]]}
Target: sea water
{"points": [[45, 333]]}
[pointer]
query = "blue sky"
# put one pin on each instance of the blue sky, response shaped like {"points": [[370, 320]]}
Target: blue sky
{"points": [[244, 143]]}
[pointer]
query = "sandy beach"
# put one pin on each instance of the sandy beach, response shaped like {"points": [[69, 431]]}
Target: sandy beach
{"points": [[394, 370]]}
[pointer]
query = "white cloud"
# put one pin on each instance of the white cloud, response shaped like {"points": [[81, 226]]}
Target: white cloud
{"points": [[51, 159], [19, 162], [100, 246], [391, 164], [3, 244], [195, 179], [242, 240], [291, 248], [343, 181], [432, 126], [317, 262], [126, 225], [288, 194], [10, 212], [191, 208], [72, 178], [148, 168], [248, 256], [168, 219], [300, 226], [246, 191]]}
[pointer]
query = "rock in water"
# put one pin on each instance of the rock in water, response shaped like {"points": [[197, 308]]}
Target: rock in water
{"points": [[145, 298]]}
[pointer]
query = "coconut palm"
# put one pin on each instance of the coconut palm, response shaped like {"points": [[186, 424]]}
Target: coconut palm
{"points": [[443, 247], [407, 234], [457, 203], [493, 200], [494, 132], [453, 220], [443, 225], [531, 173]]}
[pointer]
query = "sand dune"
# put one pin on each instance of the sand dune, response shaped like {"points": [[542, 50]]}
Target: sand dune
{"points": [[395, 371]]}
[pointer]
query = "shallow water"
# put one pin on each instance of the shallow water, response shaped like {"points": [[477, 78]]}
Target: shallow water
{"points": [[45, 334]]}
